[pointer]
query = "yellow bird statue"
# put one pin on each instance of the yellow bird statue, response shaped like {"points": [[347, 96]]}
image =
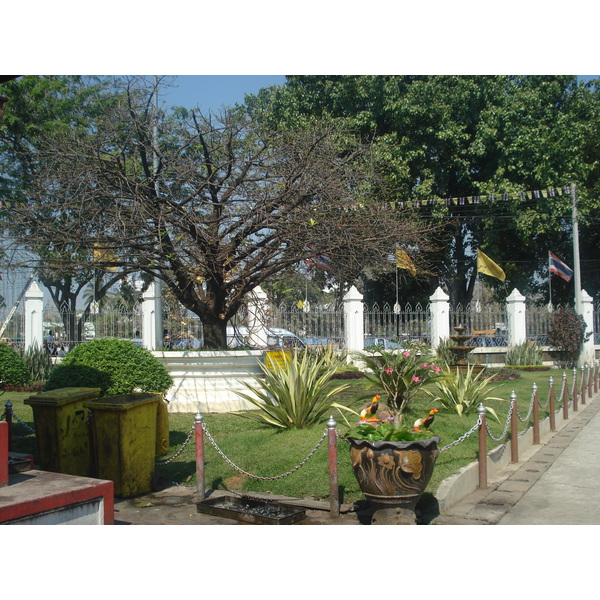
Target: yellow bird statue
{"points": [[368, 413]]}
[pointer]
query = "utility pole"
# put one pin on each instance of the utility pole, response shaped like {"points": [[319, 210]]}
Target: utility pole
{"points": [[576, 269]]}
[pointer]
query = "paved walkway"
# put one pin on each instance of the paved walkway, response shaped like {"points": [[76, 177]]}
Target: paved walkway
{"points": [[557, 484]]}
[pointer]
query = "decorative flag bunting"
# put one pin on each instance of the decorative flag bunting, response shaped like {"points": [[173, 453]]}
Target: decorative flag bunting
{"points": [[487, 266], [462, 200], [558, 267]]}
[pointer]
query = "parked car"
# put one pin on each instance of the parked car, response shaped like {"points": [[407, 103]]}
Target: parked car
{"points": [[276, 336]]}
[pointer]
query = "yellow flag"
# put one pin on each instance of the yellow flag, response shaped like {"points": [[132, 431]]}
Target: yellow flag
{"points": [[487, 266], [403, 262]]}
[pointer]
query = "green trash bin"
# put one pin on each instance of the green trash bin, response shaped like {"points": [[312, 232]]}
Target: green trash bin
{"points": [[124, 440], [61, 429]]}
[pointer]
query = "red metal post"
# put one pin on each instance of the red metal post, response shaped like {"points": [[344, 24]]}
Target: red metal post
{"points": [[595, 376], [482, 448], [536, 416], [552, 404], [334, 494], [582, 384], [199, 432], [589, 382], [575, 390], [565, 397], [514, 432]]}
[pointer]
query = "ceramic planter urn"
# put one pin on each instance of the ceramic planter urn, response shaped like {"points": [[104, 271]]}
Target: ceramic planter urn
{"points": [[393, 474]]}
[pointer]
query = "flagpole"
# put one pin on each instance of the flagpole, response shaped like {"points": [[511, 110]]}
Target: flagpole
{"points": [[576, 270], [549, 281]]}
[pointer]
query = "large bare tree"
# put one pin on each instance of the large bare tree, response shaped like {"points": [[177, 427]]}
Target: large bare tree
{"points": [[212, 206]]}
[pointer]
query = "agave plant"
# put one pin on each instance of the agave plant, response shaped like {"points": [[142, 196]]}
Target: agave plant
{"points": [[463, 392], [293, 394]]}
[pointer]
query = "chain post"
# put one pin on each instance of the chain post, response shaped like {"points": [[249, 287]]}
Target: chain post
{"points": [[575, 390], [514, 436], [482, 448], [199, 425], [334, 496], [565, 397], [582, 384], [595, 376], [9, 417], [589, 381], [552, 404], [536, 416]]}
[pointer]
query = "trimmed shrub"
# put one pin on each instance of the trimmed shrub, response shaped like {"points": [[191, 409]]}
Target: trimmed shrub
{"points": [[13, 371], [115, 366], [567, 334]]}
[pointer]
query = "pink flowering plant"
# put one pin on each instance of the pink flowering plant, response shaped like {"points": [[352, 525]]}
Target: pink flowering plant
{"points": [[400, 373]]}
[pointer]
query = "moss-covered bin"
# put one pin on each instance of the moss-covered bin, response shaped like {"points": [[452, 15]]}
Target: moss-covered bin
{"points": [[61, 429], [124, 441]]}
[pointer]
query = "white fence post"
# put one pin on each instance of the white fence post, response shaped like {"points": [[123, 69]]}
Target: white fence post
{"points": [[34, 317], [152, 325], [354, 326], [440, 317], [257, 329], [588, 353], [515, 310]]}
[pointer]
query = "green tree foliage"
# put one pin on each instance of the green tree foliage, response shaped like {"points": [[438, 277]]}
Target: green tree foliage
{"points": [[38, 108], [461, 136]]}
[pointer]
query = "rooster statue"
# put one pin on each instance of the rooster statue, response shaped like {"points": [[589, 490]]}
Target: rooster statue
{"points": [[425, 422], [368, 413]]}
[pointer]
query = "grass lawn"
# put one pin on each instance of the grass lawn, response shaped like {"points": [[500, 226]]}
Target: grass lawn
{"points": [[266, 452]]}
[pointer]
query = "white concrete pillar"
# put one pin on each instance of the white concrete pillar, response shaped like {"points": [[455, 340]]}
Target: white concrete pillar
{"points": [[440, 317], [152, 321], [34, 317], [515, 309], [257, 318], [587, 308], [354, 325]]}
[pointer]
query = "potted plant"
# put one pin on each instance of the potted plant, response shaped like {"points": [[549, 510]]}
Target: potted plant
{"points": [[392, 461]]}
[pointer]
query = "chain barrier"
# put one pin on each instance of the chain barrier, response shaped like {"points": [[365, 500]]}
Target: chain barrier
{"points": [[506, 426], [251, 475], [530, 409], [547, 403], [30, 429], [166, 461], [463, 437]]}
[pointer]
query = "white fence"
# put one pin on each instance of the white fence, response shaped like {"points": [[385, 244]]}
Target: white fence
{"points": [[491, 325]]}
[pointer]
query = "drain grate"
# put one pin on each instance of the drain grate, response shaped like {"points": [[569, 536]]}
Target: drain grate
{"points": [[258, 512]]}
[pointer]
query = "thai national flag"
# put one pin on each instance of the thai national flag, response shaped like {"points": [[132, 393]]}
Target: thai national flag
{"points": [[558, 267]]}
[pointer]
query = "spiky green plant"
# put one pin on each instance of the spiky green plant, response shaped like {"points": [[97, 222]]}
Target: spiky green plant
{"points": [[525, 354], [38, 363], [463, 391], [294, 394]]}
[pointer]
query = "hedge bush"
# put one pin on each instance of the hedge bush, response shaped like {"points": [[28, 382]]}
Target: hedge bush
{"points": [[115, 366], [13, 371]]}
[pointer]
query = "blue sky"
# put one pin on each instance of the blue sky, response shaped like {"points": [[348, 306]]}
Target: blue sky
{"points": [[214, 91]]}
